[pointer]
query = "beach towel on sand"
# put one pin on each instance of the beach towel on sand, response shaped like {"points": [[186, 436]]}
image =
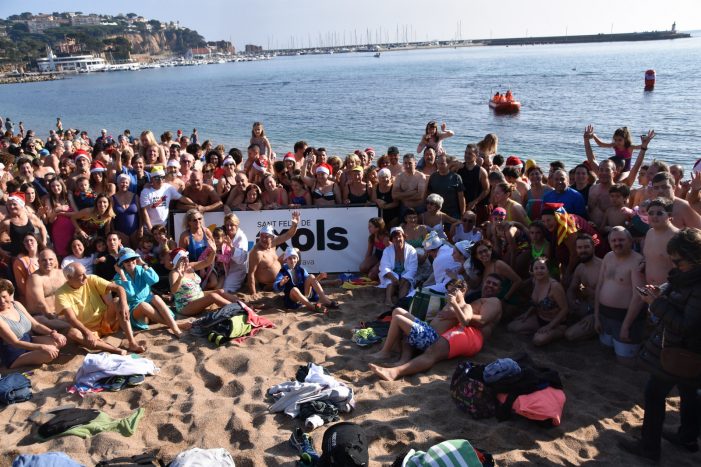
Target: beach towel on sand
{"points": [[103, 422], [48, 459], [203, 326]]}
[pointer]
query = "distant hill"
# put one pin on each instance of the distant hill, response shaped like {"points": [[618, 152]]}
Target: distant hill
{"points": [[24, 37]]}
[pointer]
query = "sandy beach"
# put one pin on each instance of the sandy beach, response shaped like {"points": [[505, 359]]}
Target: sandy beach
{"points": [[215, 397]]}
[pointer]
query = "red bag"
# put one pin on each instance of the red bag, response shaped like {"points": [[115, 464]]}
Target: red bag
{"points": [[546, 404]]}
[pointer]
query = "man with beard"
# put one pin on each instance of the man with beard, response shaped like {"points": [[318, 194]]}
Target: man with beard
{"points": [[263, 264], [582, 289], [459, 330], [617, 305]]}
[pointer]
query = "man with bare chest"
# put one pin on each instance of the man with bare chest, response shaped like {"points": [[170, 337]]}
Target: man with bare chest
{"points": [[617, 306], [657, 262], [683, 215], [263, 264], [409, 187], [41, 290], [582, 289], [599, 199], [204, 196]]}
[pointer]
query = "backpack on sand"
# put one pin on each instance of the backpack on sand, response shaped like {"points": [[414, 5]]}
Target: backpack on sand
{"points": [[469, 392]]}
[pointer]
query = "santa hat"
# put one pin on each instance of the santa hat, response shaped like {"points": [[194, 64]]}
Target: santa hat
{"points": [[289, 157], [17, 196], [81, 153], [323, 168], [176, 255], [97, 167], [514, 161], [260, 165]]}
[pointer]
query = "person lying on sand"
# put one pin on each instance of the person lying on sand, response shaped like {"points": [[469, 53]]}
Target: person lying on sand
{"points": [[458, 330]]}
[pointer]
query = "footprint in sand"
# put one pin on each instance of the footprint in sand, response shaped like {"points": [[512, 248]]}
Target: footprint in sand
{"points": [[169, 432], [233, 389], [239, 438]]}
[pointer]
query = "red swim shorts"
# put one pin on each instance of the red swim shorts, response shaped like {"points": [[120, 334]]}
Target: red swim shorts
{"points": [[464, 341]]}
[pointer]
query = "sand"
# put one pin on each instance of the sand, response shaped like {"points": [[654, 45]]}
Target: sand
{"points": [[215, 397]]}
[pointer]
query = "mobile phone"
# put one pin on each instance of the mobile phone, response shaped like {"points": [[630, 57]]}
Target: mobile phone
{"points": [[642, 290]]}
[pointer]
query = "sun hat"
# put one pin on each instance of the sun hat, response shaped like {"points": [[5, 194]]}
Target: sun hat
{"points": [[157, 171], [176, 255], [173, 163], [357, 168], [395, 230], [126, 254], [432, 241], [291, 251], [268, 230]]}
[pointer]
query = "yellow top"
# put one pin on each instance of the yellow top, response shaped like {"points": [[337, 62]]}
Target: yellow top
{"points": [[86, 302]]}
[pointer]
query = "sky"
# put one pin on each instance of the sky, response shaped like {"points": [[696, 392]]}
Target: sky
{"points": [[303, 23]]}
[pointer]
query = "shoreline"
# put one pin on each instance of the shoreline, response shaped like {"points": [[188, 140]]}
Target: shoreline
{"points": [[29, 78]]}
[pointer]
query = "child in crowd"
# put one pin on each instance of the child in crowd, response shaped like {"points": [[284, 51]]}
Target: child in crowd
{"points": [[377, 242], [215, 274], [79, 255], [433, 138], [99, 249], [83, 196], [622, 144], [258, 137], [618, 213], [299, 287], [164, 244], [146, 249]]}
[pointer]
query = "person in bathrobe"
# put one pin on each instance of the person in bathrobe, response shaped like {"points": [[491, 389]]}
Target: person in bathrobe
{"points": [[397, 267]]}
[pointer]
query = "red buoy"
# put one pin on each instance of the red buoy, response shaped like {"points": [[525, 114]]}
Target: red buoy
{"points": [[649, 80]]}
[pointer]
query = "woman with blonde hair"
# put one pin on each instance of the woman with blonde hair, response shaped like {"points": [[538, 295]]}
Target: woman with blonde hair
{"points": [[488, 148], [146, 140], [196, 238]]}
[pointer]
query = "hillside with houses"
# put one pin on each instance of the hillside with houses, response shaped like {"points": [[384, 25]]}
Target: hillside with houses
{"points": [[27, 37]]}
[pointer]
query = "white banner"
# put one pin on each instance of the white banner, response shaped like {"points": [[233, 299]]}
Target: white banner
{"points": [[329, 239]]}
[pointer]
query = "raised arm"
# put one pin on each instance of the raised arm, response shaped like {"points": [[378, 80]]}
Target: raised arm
{"points": [[633, 174], [588, 135], [279, 240]]}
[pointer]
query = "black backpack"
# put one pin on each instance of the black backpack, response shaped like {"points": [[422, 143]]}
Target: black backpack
{"points": [[65, 419]]}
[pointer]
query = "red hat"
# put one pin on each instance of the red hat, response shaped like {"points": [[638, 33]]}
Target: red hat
{"points": [[19, 197], [550, 208], [97, 167], [289, 157], [176, 255], [513, 161], [369, 150], [325, 168], [81, 153], [260, 165]]}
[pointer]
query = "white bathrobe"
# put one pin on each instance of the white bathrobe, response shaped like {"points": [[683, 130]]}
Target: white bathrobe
{"points": [[443, 263], [411, 264]]}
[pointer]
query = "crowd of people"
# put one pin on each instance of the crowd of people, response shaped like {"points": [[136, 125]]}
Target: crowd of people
{"points": [[609, 247]]}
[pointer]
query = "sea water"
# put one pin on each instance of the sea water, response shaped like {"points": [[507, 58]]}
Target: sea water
{"points": [[352, 101]]}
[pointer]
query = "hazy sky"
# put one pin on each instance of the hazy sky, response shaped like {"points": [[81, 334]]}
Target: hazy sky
{"points": [[277, 23]]}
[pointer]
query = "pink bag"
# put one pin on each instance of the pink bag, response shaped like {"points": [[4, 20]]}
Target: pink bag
{"points": [[546, 404]]}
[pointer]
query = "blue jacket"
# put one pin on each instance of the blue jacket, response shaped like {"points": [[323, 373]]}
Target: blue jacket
{"points": [[138, 289], [297, 278]]}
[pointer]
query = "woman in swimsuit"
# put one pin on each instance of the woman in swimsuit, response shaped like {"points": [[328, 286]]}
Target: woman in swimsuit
{"points": [[196, 238], [351, 162], [228, 178], [274, 196], [501, 197], [548, 312], [238, 191], [23, 341], [126, 211], [377, 242], [95, 221], [98, 183], [415, 232], [541, 246], [434, 218], [511, 241], [189, 297], [25, 264], [62, 228], [534, 196], [355, 191], [325, 192], [18, 223], [299, 195], [381, 195], [251, 199]]}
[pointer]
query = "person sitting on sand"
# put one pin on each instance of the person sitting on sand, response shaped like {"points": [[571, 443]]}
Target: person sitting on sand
{"points": [[24, 341], [263, 264], [41, 289], [137, 277], [189, 297], [86, 302], [398, 267], [299, 287], [458, 330]]}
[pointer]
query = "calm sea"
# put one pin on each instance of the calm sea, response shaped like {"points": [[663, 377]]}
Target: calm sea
{"points": [[350, 101]]}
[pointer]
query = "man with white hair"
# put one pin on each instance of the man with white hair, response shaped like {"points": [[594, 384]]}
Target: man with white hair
{"points": [[263, 264], [440, 253], [87, 304]]}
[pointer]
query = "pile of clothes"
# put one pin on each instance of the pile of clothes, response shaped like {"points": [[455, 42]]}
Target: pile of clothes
{"points": [[233, 322], [85, 423], [314, 396], [507, 386], [15, 388], [105, 371]]}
